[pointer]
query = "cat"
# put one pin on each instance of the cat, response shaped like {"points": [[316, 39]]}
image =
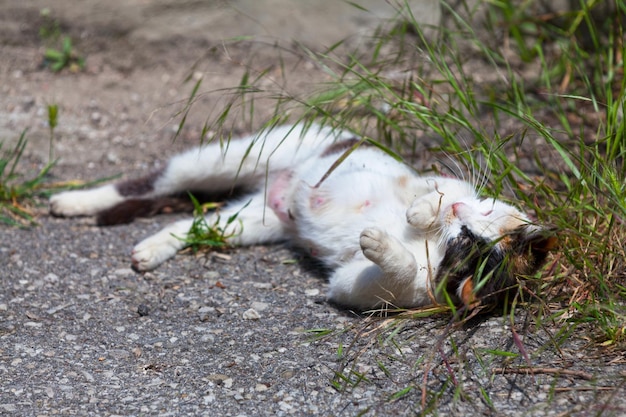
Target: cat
{"points": [[389, 237]]}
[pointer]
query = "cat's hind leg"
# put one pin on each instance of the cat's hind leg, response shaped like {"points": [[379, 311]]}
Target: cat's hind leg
{"points": [[85, 202], [95, 200], [214, 168], [252, 224]]}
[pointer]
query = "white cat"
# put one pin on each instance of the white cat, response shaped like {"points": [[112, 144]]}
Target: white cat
{"points": [[390, 237]]}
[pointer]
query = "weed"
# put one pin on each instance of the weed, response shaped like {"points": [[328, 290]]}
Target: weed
{"points": [[204, 234], [66, 57], [53, 122], [15, 195], [50, 29]]}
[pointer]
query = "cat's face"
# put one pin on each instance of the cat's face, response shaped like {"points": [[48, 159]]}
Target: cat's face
{"points": [[489, 245]]}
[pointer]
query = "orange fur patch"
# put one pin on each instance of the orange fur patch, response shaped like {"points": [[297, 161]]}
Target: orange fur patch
{"points": [[466, 293]]}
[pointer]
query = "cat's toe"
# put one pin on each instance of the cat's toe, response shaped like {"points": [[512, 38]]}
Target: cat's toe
{"points": [[372, 242], [152, 252], [421, 214]]}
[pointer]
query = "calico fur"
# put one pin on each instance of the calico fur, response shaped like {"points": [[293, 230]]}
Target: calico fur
{"points": [[389, 236]]}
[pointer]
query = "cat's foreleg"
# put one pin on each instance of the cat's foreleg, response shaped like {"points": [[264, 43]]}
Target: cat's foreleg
{"points": [[246, 222], [387, 277], [423, 212], [427, 208]]}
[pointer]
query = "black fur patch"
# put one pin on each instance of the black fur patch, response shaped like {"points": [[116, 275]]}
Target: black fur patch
{"points": [[139, 186], [494, 267], [128, 210]]}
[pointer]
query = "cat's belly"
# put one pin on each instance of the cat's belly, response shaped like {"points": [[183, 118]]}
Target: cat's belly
{"points": [[329, 219], [277, 196]]}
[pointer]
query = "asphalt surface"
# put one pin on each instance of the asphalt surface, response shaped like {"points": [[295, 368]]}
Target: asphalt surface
{"points": [[245, 332]]}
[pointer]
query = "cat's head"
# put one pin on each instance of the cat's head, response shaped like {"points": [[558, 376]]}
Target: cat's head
{"points": [[488, 246]]}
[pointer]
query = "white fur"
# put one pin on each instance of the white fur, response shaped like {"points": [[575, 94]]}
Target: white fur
{"points": [[84, 202], [379, 226]]}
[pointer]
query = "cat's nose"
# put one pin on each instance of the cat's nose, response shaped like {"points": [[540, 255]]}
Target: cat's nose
{"points": [[456, 208]]}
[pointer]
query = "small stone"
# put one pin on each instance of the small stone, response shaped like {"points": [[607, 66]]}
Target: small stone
{"points": [[119, 354], [260, 387], [121, 272], [51, 278], [219, 379], [143, 310], [251, 314], [259, 306], [312, 292], [204, 313]]}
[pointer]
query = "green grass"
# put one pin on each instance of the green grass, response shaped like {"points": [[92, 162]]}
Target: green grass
{"points": [[205, 234], [544, 129], [59, 51], [16, 193], [64, 57], [20, 193], [570, 108]]}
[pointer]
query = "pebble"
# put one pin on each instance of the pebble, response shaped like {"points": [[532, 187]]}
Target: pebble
{"points": [[259, 306], [51, 278], [204, 313], [260, 387], [143, 310], [251, 314]]}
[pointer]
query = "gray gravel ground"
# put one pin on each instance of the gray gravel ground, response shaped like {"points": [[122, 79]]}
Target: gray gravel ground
{"points": [[222, 334], [226, 334]]}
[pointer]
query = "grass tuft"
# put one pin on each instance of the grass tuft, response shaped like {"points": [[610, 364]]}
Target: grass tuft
{"points": [[17, 195], [211, 235]]}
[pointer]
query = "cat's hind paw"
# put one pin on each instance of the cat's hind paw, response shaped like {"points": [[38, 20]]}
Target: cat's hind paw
{"points": [[388, 253], [84, 202], [374, 244]]}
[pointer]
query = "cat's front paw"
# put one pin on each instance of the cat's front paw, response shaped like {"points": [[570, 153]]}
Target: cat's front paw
{"points": [[422, 213], [158, 248], [153, 251]]}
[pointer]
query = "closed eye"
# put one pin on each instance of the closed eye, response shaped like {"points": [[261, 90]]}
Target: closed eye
{"points": [[487, 213]]}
